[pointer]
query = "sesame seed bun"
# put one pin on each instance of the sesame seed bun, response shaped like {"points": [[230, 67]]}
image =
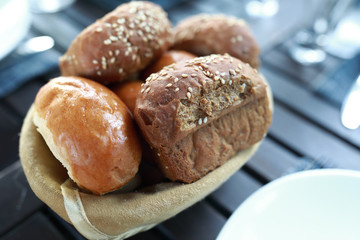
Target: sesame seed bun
{"points": [[206, 34], [121, 43], [90, 131], [198, 113]]}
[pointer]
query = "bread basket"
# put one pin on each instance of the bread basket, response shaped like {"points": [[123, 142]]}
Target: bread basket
{"points": [[117, 215]]}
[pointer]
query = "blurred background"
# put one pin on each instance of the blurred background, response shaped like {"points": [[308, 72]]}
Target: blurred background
{"points": [[310, 54]]}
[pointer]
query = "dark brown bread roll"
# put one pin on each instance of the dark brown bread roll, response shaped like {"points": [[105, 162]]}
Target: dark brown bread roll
{"points": [[206, 34], [196, 114], [121, 43], [90, 131]]}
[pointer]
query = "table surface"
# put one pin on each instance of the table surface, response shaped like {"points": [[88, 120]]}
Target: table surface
{"points": [[306, 132]]}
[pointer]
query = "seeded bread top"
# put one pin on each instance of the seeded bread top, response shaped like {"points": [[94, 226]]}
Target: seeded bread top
{"points": [[121, 43], [205, 34], [189, 94]]}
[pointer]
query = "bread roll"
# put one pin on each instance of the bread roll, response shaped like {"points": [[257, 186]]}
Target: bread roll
{"points": [[169, 57], [121, 43], [90, 131], [127, 92], [206, 34], [196, 114]]}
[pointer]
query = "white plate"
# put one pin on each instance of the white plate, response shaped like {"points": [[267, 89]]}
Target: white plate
{"points": [[14, 24], [315, 204]]}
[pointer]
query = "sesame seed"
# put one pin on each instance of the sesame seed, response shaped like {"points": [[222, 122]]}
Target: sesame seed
{"points": [[193, 75], [117, 52], [232, 72], [205, 120], [113, 38], [112, 60], [217, 73], [200, 121], [114, 25], [169, 85], [158, 154], [239, 66], [142, 90], [176, 79], [98, 29], [222, 81], [148, 54], [111, 53], [131, 25], [108, 24], [121, 70], [95, 61], [133, 57], [121, 20], [163, 74], [184, 75], [107, 42], [223, 74], [176, 89], [98, 73], [189, 89], [217, 78], [147, 90], [188, 94], [230, 82]]}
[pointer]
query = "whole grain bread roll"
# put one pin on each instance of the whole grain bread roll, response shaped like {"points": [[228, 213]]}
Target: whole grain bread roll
{"points": [[206, 34], [90, 131], [121, 43], [198, 113]]}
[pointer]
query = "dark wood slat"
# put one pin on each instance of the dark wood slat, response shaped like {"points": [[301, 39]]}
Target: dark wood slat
{"points": [[311, 141], [9, 137], [308, 104], [272, 160], [22, 99], [148, 235], [200, 221], [234, 191], [17, 199], [36, 227]]}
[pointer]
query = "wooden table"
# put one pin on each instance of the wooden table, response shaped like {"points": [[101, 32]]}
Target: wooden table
{"points": [[306, 132]]}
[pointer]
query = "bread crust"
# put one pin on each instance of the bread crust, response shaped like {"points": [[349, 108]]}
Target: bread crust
{"points": [[206, 34], [121, 43], [185, 108], [90, 131], [169, 57]]}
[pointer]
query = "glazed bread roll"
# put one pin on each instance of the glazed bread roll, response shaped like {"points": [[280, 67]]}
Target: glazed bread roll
{"points": [[169, 57], [206, 34], [121, 43], [198, 113], [127, 92], [90, 131]]}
